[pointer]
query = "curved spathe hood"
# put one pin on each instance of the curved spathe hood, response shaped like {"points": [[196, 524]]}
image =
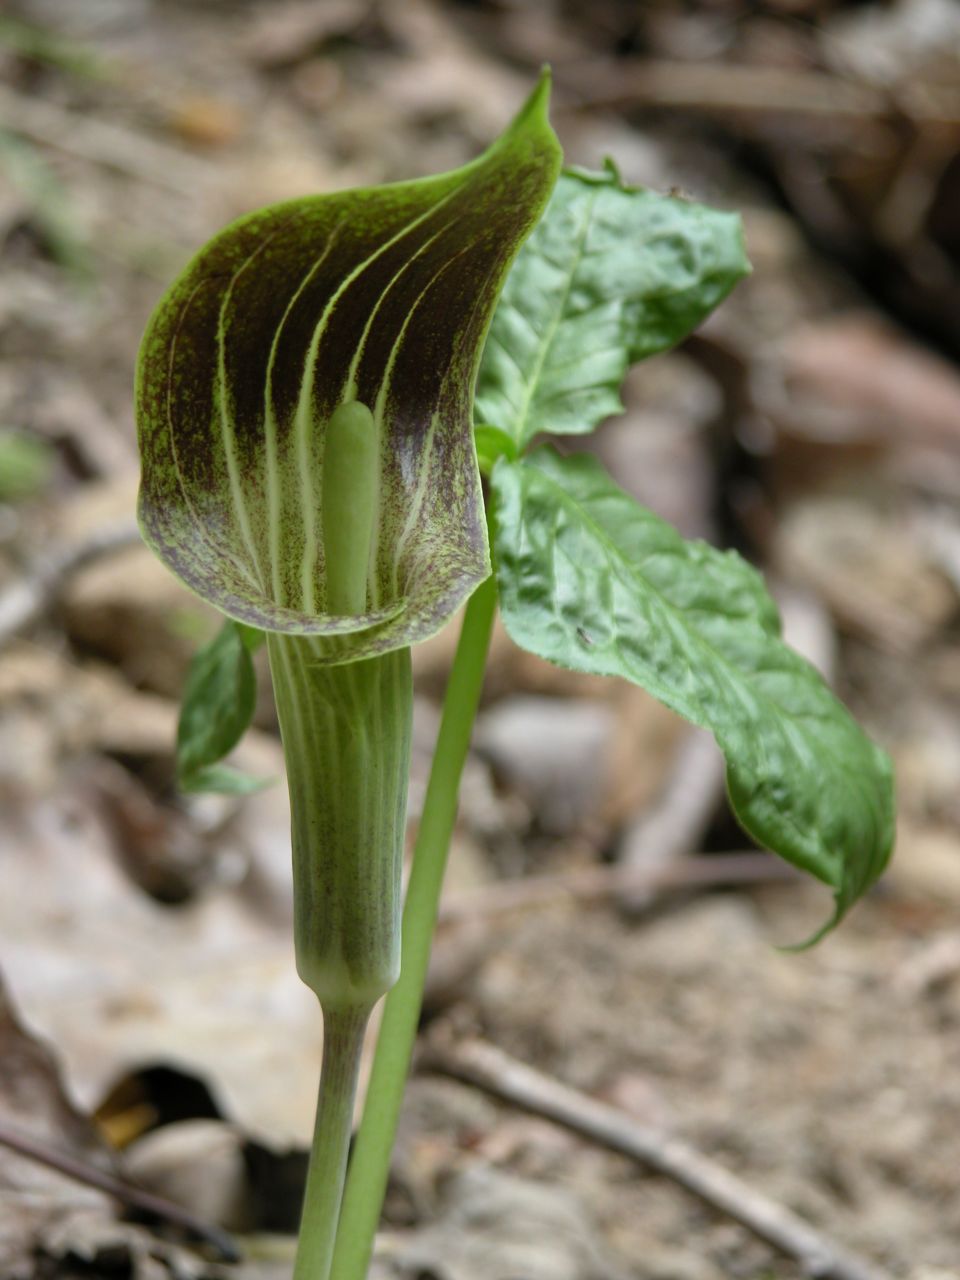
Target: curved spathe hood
{"points": [[382, 295]]}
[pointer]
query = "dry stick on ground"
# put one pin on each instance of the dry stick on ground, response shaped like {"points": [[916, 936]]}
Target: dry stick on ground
{"points": [[26, 601], [483, 1065], [730, 89], [679, 818], [598, 883], [145, 1201], [102, 142]]}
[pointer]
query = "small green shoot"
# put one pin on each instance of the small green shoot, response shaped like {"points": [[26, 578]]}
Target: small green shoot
{"points": [[219, 701], [24, 166], [26, 465], [37, 44]]}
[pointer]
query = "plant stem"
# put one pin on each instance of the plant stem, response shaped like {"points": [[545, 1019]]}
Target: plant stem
{"points": [[343, 1030], [370, 1166]]}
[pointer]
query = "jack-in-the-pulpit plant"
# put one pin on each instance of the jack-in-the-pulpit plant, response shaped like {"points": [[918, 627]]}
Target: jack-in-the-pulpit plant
{"points": [[312, 459]]}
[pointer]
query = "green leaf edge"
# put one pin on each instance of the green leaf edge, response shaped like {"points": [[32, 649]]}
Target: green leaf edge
{"points": [[208, 774], [608, 175]]}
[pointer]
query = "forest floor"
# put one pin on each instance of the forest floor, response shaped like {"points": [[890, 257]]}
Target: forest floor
{"points": [[152, 1025]]}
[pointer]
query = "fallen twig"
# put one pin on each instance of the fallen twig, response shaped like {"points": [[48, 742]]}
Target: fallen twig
{"points": [[487, 1067], [677, 820], [600, 882], [101, 142], [27, 600], [125, 1192], [759, 91]]}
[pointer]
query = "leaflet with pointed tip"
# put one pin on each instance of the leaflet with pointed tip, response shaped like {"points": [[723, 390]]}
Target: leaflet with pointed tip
{"points": [[591, 580], [611, 274]]}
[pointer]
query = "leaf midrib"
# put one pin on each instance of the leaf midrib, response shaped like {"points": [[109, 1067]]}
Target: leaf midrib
{"points": [[568, 500], [800, 835], [531, 387]]}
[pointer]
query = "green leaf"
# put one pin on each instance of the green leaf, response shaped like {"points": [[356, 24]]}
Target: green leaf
{"points": [[218, 705], [253, 639], [612, 274], [223, 780], [380, 296], [492, 443], [591, 580]]}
